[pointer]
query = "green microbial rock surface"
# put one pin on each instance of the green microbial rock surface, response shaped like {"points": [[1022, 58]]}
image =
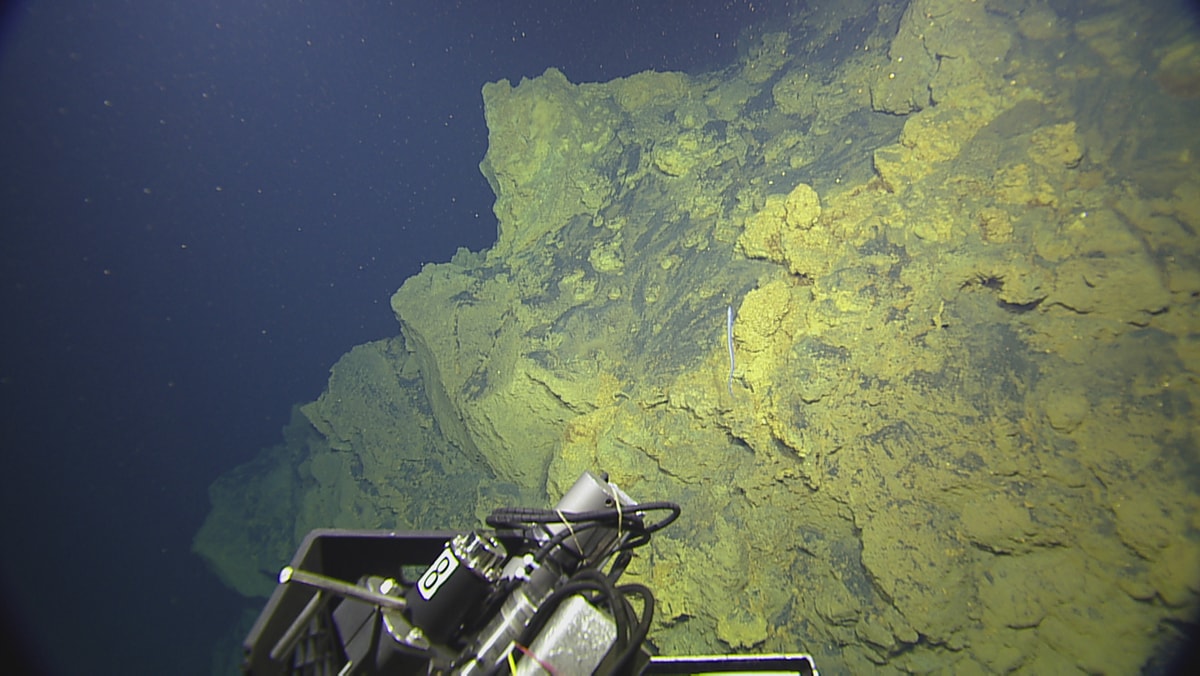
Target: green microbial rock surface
{"points": [[962, 433]]}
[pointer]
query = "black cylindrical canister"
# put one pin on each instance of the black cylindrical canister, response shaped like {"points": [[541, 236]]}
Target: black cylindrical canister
{"points": [[454, 584]]}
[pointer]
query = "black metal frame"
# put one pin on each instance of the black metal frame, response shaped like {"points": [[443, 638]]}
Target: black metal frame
{"points": [[345, 555]]}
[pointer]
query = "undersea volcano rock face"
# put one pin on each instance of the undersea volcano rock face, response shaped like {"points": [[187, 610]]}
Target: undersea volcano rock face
{"points": [[960, 242]]}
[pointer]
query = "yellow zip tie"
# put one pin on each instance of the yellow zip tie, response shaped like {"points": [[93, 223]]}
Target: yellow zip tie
{"points": [[617, 502], [562, 517]]}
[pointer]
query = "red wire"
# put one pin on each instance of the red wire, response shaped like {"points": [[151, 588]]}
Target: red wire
{"points": [[529, 653]]}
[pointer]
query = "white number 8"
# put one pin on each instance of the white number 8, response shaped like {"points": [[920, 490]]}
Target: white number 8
{"points": [[437, 574]]}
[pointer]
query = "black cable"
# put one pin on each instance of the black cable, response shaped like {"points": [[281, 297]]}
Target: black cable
{"points": [[643, 626], [619, 564], [516, 517], [630, 522]]}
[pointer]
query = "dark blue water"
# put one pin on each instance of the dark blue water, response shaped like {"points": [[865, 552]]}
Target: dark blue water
{"points": [[205, 203]]}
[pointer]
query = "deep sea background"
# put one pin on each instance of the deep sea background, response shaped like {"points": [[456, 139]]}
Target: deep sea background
{"points": [[204, 204]]}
